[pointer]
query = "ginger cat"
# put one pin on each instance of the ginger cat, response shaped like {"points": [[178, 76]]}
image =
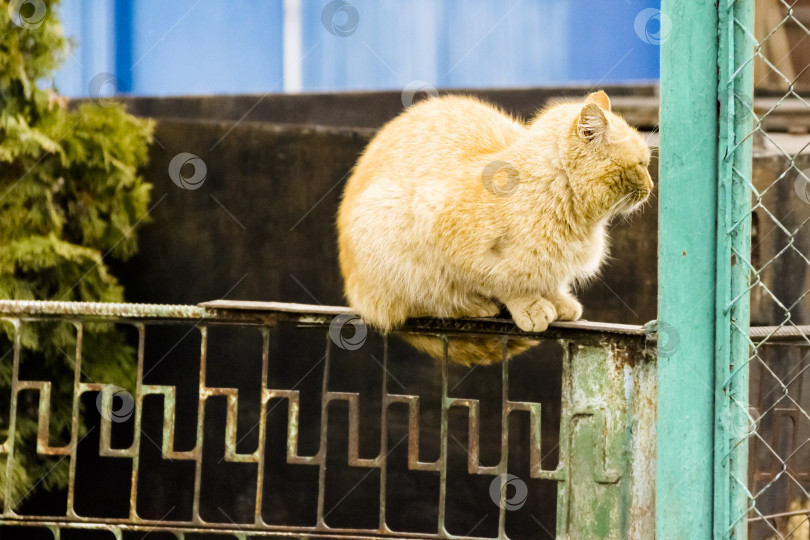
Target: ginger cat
{"points": [[455, 209]]}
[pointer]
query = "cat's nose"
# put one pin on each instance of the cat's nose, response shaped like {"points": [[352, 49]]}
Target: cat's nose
{"points": [[648, 183]]}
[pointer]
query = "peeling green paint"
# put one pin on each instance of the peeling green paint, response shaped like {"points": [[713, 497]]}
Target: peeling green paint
{"points": [[610, 414]]}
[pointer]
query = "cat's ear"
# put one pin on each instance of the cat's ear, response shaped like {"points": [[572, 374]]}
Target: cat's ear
{"points": [[592, 122], [600, 98]]}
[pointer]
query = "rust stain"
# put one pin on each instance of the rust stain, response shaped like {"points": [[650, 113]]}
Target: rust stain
{"points": [[620, 347]]}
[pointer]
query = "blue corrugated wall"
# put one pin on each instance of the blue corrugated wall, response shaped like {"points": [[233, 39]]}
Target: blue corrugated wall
{"points": [[159, 47]]}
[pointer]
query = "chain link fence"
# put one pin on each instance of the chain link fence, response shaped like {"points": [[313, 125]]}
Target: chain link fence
{"points": [[773, 427]]}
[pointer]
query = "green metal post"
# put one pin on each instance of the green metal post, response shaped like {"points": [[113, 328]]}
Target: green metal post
{"points": [[732, 427], [686, 270]]}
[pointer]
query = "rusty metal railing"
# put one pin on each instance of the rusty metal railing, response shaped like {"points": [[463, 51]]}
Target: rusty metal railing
{"points": [[605, 444]]}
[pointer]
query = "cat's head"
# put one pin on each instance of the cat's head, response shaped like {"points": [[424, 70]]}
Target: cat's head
{"points": [[607, 159]]}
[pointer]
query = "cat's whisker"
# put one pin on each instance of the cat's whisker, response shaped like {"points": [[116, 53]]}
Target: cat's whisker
{"points": [[613, 209]]}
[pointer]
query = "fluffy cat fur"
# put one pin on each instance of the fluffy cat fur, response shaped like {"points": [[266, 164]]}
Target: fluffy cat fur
{"points": [[426, 229]]}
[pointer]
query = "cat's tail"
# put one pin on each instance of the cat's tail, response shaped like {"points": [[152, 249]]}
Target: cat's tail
{"points": [[470, 350]]}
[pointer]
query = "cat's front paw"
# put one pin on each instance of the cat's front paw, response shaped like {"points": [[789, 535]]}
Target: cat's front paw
{"points": [[568, 309], [532, 314]]}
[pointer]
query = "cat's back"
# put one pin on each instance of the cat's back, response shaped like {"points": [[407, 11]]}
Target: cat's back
{"points": [[462, 119], [436, 133], [463, 124]]}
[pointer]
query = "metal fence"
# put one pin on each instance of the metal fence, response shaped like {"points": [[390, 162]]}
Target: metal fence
{"points": [[601, 473]]}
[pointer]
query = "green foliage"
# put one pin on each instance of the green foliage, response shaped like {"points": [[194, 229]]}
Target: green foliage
{"points": [[70, 197]]}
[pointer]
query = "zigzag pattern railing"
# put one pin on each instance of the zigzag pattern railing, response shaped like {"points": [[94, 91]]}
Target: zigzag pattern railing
{"points": [[601, 404]]}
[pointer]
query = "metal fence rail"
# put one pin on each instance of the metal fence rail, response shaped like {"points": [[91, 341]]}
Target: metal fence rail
{"points": [[604, 472]]}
